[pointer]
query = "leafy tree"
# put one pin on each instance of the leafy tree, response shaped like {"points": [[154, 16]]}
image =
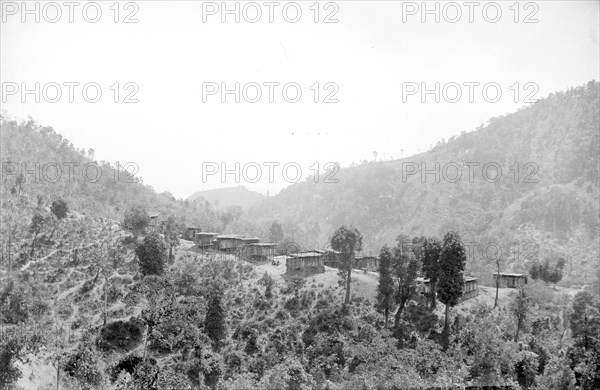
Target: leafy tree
{"points": [[127, 364], [557, 376], [431, 251], [451, 268], [15, 346], [346, 240], [557, 273], [491, 359], [526, 368], [151, 255], [82, 365], [547, 272], [59, 209], [15, 301], [520, 308], [214, 322], [385, 288], [120, 336], [585, 321], [137, 219], [171, 234], [405, 268], [587, 372], [275, 232]]}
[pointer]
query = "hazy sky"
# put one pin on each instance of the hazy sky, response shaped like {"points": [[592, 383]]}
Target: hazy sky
{"points": [[369, 56]]}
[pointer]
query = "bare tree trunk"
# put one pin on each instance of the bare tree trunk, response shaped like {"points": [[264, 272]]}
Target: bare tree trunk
{"points": [[58, 373], [386, 314], [399, 313], [9, 254], [447, 318], [518, 329], [433, 297], [497, 284], [349, 279], [105, 297], [145, 343], [33, 245]]}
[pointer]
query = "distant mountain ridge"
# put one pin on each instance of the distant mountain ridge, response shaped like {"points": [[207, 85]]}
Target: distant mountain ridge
{"points": [[230, 196], [546, 198]]}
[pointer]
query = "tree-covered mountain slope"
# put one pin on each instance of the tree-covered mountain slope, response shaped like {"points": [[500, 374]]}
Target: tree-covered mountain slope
{"points": [[545, 198]]}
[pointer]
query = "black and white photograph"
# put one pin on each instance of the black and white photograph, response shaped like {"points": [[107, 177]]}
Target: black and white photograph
{"points": [[299, 195]]}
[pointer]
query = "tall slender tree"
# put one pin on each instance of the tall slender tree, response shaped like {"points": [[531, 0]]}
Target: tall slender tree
{"points": [[451, 268], [171, 234], [406, 267], [520, 308], [385, 288], [431, 251], [346, 240]]}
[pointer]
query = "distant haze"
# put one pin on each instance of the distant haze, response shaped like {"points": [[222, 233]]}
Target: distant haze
{"points": [[369, 54]]}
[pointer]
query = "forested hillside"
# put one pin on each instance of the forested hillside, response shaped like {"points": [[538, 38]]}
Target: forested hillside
{"points": [[38, 161], [92, 297], [545, 199]]}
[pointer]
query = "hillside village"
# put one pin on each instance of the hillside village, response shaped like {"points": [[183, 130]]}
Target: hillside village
{"points": [[109, 285]]}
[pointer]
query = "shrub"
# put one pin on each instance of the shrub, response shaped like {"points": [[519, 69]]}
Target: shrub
{"points": [[128, 364], [152, 254], [120, 336]]}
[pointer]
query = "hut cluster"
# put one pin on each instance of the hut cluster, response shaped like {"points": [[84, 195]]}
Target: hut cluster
{"points": [[470, 287], [470, 284], [314, 261], [249, 248]]}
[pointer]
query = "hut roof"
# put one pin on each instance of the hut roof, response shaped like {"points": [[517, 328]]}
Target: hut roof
{"points": [[306, 254], [509, 274], [229, 237]]}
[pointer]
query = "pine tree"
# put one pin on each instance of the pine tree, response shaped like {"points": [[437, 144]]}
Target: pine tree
{"points": [[385, 289], [451, 268], [432, 249], [171, 234], [405, 267], [275, 232]]}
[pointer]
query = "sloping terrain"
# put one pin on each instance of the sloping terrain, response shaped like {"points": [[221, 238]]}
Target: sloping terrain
{"points": [[546, 197]]}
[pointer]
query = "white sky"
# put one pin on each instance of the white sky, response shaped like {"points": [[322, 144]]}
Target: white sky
{"points": [[369, 53]]}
